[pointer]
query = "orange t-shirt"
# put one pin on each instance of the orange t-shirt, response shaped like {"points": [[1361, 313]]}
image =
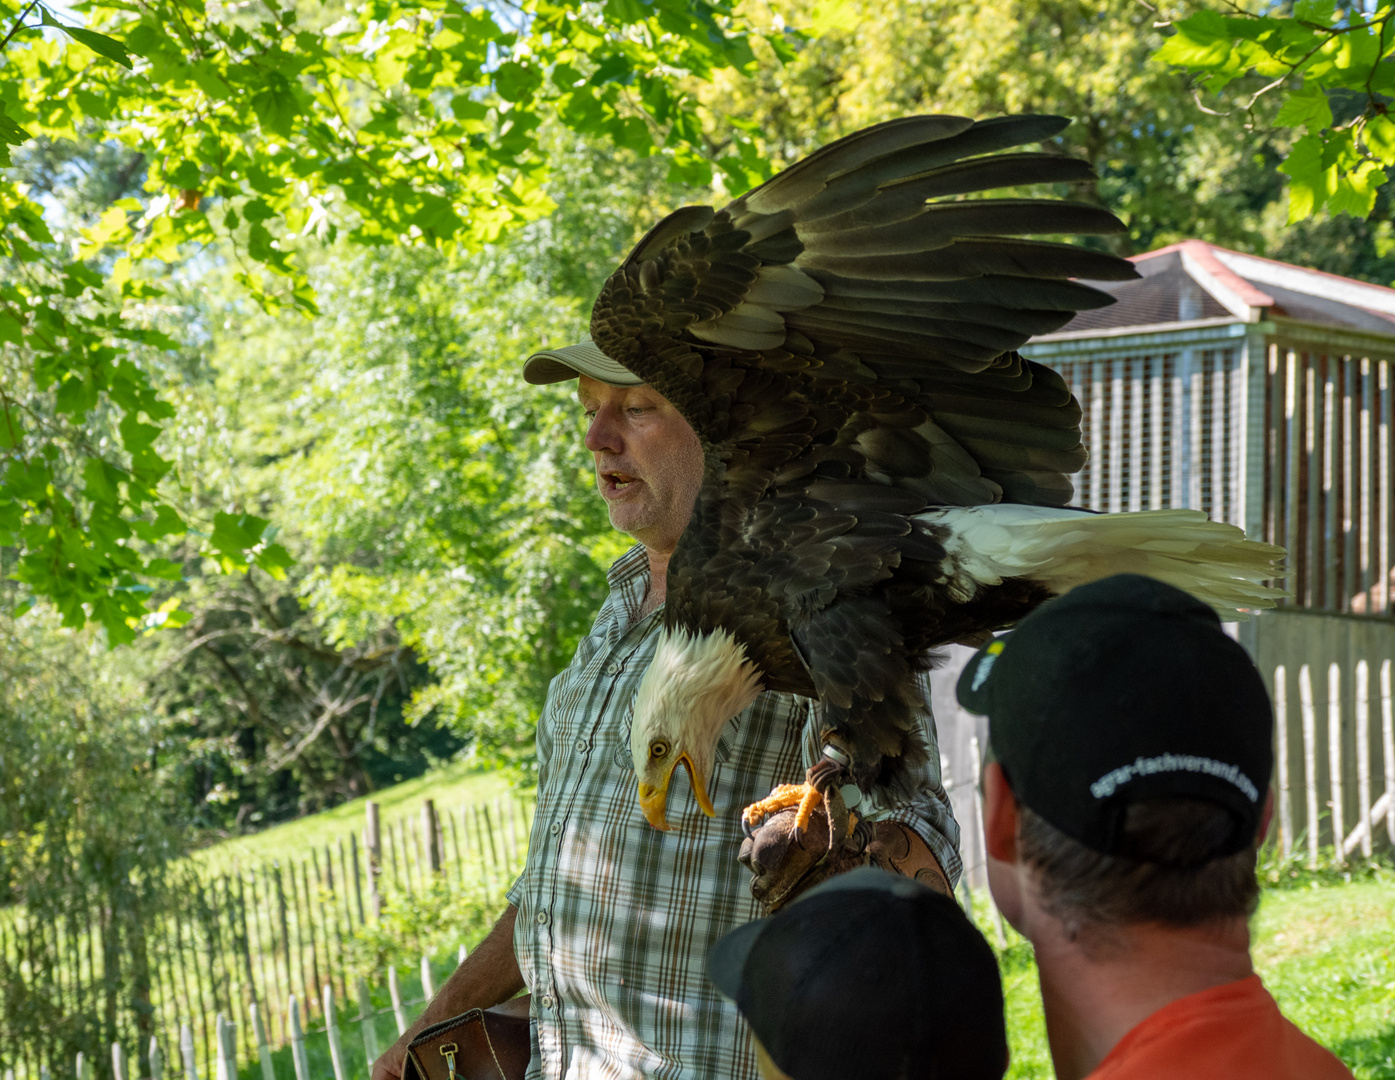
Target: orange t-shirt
{"points": [[1230, 1032]]}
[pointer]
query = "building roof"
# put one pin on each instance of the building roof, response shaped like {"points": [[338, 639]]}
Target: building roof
{"points": [[1194, 280]]}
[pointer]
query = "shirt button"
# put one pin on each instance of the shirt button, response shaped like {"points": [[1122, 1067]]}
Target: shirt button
{"points": [[542, 918], [555, 828], [582, 745], [546, 1002], [612, 668]]}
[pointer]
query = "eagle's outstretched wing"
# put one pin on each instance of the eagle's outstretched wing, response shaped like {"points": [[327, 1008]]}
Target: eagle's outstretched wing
{"points": [[860, 292]]}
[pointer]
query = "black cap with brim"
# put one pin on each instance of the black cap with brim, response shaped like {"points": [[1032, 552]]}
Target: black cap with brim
{"points": [[583, 358], [1120, 691], [922, 982]]}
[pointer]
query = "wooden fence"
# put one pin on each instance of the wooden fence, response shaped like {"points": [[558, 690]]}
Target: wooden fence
{"points": [[245, 943], [327, 1038]]}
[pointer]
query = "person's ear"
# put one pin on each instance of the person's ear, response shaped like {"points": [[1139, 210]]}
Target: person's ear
{"points": [[1266, 819], [999, 814]]}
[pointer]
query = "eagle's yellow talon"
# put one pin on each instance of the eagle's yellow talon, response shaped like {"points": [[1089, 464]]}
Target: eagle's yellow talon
{"points": [[781, 798]]}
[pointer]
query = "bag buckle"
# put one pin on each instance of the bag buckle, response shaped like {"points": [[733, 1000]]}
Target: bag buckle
{"points": [[448, 1051]]}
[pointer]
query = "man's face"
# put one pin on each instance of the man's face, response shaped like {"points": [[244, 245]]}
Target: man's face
{"points": [[648, 460]]}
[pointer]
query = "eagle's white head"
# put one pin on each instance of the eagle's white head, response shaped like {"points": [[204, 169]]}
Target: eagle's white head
{"points": [[695, 684]]}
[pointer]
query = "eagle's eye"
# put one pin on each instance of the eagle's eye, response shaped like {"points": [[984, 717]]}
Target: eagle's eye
{"points": [[658, 748]]}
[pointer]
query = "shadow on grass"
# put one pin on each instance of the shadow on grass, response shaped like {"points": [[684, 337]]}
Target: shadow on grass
{"points": [[1371, 1057]]}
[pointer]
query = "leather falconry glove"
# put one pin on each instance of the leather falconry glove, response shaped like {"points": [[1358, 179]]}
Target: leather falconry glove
{"points": [[785, 862]]}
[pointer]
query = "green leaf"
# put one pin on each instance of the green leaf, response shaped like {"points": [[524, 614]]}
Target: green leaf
{"points": [[101, 481], [275, 560], [11, 329], [167, 523], [11, 430], [1356, 189], [233, 534], [276, 105], [135, 435], [1306, 107], [1379, 136], [1314, 11], [165, 569], [515, 82], [11, 134], [185, 176], [1311, 181], [98, 43]]}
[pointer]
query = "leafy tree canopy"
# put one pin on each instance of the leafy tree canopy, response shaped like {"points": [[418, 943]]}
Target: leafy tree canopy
{"points": [[1329, 71], [265, 128]]}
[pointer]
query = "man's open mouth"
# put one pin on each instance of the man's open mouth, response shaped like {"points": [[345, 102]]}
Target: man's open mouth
{"points": [[620, 480]]}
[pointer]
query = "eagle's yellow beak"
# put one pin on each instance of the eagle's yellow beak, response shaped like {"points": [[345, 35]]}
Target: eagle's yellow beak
{"points": [[653, 800]]}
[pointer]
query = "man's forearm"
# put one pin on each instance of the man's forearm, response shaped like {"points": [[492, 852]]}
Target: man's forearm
{"points": [[488, 976]]}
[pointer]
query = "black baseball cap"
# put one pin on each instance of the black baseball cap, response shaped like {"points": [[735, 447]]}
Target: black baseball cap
{"points": [[1120, 691], [869, 975]]}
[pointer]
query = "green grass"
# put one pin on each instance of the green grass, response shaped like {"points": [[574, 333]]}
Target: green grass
{"points": [[1325, 950], [450, 787], [1324, 946]]}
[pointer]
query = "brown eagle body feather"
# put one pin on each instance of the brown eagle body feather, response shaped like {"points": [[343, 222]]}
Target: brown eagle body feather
{"points": [[844, 346]]}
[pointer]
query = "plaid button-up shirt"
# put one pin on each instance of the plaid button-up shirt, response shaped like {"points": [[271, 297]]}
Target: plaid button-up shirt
{"points": [[615, 919]]}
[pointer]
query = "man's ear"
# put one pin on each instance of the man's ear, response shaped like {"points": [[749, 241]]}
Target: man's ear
{"points": [[1266, 819], [999, 815]]}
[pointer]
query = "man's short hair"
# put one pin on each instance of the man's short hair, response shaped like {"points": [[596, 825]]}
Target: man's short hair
{"points": [[1169, 876]]}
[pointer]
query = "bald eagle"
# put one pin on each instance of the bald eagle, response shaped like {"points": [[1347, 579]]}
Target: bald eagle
{"points": [[883, 472]]}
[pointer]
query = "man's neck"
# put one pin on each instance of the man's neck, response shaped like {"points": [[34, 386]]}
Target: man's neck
{"points": [[658, 581], [1096, 989]]}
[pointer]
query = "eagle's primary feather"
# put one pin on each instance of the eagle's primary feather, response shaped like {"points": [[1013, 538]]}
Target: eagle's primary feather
{"points": [[842, 339]]}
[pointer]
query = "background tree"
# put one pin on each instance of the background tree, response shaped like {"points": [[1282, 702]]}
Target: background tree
{"points": [[87, 833], [269, 129], [1317, 66], [1169, 169]]}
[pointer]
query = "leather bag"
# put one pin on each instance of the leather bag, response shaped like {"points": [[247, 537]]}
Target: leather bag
{"points": [[482, 1044]]}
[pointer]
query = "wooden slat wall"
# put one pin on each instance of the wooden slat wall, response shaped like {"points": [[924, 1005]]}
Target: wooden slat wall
{"points": [[1168, 429], [1162, 429], [1328, 482]]}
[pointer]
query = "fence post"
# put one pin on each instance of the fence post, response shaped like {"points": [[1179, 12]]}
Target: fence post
{"points": [[428, 987], [1387, 732], [1281, 753], [263, 1050], [365, 1023], [1334, 757], [373, 849], [226, 1041], [1363, 751], [336, 1054], [1305, 703], [302, 1065], [84, 1067], [157, 1060], [358, 884], [461, 953], [395, 992], [186, 1051], [118, 1061], [432, 828]]}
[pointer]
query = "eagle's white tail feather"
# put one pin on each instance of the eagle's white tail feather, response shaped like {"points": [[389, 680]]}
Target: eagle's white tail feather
{"points": [[1061, 548]]}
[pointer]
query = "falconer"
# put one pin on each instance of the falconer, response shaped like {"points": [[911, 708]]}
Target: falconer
{"points": [[610, 924]]}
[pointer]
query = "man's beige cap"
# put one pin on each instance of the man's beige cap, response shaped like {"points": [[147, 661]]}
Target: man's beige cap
{"points": [[583, 358]]}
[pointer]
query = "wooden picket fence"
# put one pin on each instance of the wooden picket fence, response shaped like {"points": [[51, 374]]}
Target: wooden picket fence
{"points": [[248, 943], [1332, 756], [224, 1064]]}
